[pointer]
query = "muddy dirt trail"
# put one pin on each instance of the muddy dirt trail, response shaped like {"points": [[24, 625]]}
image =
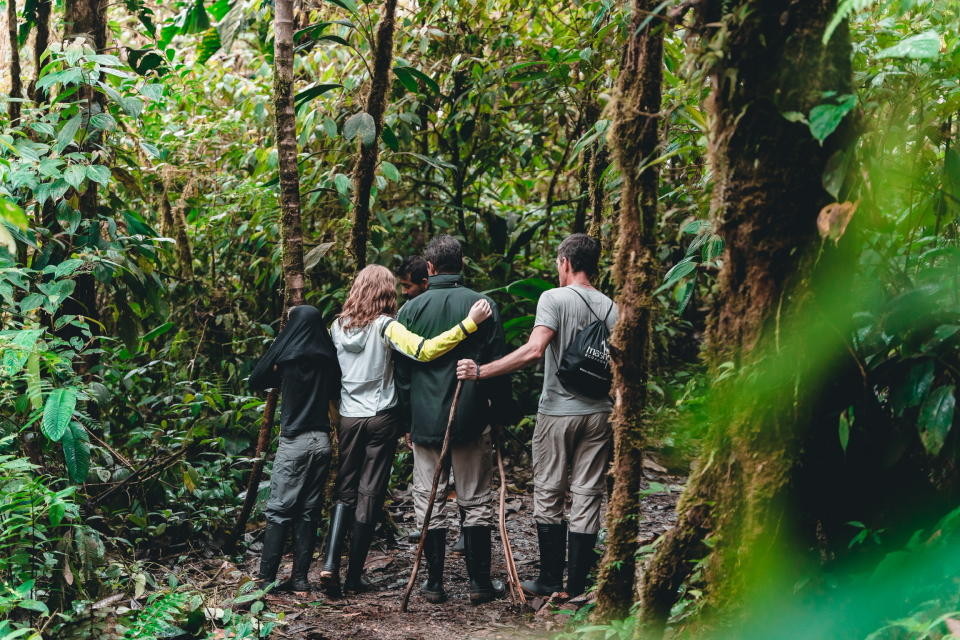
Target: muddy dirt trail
{"points": [[377, 615]]}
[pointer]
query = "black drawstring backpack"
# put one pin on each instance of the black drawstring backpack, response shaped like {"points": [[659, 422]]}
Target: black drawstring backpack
{"points": [[585, 366]]}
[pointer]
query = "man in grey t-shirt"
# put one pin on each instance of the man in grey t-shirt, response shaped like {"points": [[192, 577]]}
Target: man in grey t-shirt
{"points": [[572, 439]]}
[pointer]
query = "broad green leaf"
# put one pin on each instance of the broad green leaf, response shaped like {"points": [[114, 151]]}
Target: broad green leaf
{"points": [[313, 257], [310, 93], [58, 412], [936, 418], [679, 271], [529, 288], [194, 19], [342, 183], [158, 331], [103, 121], [360, 125], [843, 429], [922, 46], [98, 173], [67, 267], [914, 387], [349, 5], [76, 451], [56, 513], [18, 350], [67, 133], [75, 175], [31, 302], [56, 291], [12, 213], [825, 118], [390, 171]]}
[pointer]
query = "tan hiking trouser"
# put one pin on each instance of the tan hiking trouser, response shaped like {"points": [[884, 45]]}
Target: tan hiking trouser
{"points": [[473, 468], [570, 452]]}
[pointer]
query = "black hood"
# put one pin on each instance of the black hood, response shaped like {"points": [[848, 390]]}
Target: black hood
{"points": [[304, 337]]}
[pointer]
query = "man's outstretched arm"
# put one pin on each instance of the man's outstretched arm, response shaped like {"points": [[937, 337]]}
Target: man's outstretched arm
{"points": [[526, 355]]}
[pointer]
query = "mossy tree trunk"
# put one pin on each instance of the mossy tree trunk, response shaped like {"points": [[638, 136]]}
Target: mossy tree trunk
{"points": [[633, 138], [291, 230], [747, 498], [365, 169]]}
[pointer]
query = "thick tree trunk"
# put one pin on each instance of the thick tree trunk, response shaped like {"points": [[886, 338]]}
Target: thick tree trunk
{"points": [[87, 19], [634, 137], [40, 43], [766, 199], [291, 230], [16, 83], [376, 103]]}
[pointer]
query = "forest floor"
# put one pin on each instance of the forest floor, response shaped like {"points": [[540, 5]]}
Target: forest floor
{"points": [[377, 615]]}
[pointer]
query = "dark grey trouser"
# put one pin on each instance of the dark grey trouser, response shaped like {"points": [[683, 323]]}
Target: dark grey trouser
{"points": [[298, 478], [367, 446]]}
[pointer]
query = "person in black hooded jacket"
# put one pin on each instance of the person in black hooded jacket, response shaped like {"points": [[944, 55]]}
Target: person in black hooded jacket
{"points": [[302, 363]]}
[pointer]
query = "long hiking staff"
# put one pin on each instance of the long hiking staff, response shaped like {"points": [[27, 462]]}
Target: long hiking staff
{"points": [[513, 578], [440, 468]]}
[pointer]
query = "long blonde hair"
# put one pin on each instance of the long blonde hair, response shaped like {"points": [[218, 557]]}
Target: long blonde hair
{"points": [[373, 293]]}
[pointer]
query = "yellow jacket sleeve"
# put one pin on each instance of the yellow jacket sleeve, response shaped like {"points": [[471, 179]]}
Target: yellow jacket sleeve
{"points": [[426, 349]]}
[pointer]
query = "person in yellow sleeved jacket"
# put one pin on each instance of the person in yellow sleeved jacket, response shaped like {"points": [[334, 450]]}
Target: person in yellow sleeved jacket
{"points": [[365, 335]]}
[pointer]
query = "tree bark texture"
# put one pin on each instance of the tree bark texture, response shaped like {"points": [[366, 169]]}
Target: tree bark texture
{"points": [[291, 230], [634, 138], [376, 103], [583, 185], [87, 19], [599, 161], [16, 83], [40, 43], [746, 498]]}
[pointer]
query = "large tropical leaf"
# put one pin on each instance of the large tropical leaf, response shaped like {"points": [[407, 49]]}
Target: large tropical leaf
{"points": [[76, 451], [58, 411]]}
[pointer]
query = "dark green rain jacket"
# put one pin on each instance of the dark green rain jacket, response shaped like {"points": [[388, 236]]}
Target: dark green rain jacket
{"points": [[427, 388]]}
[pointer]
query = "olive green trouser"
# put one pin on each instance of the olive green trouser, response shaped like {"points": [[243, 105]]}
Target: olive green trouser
{"points": [[570, 452], [298, 478]]}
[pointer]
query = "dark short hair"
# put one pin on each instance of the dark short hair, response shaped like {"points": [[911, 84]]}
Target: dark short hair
{"points": [[415, 267], [445, 253], [582, 251]]}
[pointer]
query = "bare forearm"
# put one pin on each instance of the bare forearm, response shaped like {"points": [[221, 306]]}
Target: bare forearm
{"points": [[514, 361]]}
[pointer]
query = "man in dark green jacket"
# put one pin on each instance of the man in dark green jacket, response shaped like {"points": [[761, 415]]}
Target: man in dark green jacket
{"points": [[428, 389]]}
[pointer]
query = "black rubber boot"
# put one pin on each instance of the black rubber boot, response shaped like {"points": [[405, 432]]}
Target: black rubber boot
{"points": [[359, 546], [460, 546], [340, 521], [304, 543], [273, 539], [553, 551], [580, 561], [482, 588], [434, 549]]}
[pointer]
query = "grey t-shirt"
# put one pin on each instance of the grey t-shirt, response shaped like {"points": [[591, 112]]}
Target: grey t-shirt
{"points": [[563, 311]]}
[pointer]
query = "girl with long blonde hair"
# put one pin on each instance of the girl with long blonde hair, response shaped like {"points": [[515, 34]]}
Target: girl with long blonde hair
{"points": [[365, 335]]}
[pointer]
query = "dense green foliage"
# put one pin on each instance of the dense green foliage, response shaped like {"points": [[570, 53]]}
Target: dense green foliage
{"points": [[128, 328]]}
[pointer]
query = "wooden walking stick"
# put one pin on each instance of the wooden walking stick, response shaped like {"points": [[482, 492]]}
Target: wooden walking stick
{"points": [[513, 578], [441, 467]]}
